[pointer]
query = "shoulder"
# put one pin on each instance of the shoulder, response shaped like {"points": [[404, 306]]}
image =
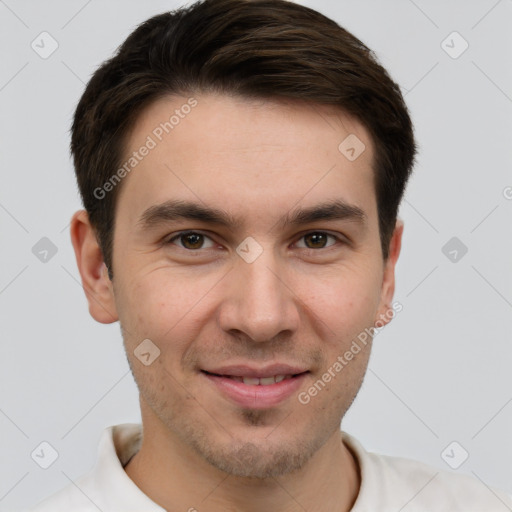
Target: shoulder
{"points": [[106, 485], [395, 483], [436, 489]]}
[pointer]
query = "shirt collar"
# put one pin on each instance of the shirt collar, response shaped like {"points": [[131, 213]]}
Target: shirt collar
{"points": [[107, 485]]}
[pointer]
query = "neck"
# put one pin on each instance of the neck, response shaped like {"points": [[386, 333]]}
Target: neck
{"points": [[177, 478]]}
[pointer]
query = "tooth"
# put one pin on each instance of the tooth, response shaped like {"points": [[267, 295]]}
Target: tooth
{"points": [[251, 381], [238, 379], [265, 381], [279, 378]]}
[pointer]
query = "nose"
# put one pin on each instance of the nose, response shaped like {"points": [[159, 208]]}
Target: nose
{"points": [[258, 301]]}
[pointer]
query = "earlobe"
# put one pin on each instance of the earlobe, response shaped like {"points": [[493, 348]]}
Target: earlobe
{"points": [[92, 268], [388, 280]]}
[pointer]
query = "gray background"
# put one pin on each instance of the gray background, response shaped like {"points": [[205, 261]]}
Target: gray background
{"points": [[440, 372]]}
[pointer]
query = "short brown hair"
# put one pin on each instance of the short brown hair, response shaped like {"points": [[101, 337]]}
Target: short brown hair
{"points": [[265, 49]]}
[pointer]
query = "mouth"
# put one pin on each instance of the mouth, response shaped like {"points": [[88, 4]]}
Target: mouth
{"points": [[256, 381], [253, 389]]}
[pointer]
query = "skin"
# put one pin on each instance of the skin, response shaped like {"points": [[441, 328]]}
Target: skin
{"points": [[300, 302]]}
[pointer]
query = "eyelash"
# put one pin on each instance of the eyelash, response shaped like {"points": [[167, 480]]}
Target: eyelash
{"points": [[183, 233]]}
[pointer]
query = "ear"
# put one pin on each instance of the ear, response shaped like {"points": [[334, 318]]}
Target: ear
{"points": [[93, 271], [388, 281]]}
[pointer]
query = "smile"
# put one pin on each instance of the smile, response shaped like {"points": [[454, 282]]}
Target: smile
{"points": [[258, 381], [256, 392]]}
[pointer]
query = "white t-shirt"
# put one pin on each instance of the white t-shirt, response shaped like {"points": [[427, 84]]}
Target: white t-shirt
{"points": [[388, 484]]}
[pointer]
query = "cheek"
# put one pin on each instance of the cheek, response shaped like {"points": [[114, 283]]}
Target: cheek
{"points": [[346, 300], [162, 308]]}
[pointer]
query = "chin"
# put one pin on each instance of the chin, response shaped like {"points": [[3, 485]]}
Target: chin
{"points": [[257, 459]]}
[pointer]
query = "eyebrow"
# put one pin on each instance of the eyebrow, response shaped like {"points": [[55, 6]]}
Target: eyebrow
{"points": [[173, 210], [332, 210]]}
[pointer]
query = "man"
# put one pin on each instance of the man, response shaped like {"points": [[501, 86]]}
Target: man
{"points": [[241, 165]]}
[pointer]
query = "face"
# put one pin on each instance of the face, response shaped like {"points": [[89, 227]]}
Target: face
{"points": [[247, 249]]}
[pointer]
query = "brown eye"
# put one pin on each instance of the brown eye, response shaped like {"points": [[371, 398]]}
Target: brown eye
{"points": [[192, 241], [317, 240]]}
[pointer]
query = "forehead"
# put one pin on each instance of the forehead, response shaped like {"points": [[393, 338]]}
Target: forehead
{"points": [[246, 154]]}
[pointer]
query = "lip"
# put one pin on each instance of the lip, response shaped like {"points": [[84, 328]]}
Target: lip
{"points": [[243, 370], [260, 396]]}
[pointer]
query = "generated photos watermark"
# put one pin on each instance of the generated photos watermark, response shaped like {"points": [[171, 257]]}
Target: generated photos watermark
{"points": [[358, 344], [151, 142]]}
